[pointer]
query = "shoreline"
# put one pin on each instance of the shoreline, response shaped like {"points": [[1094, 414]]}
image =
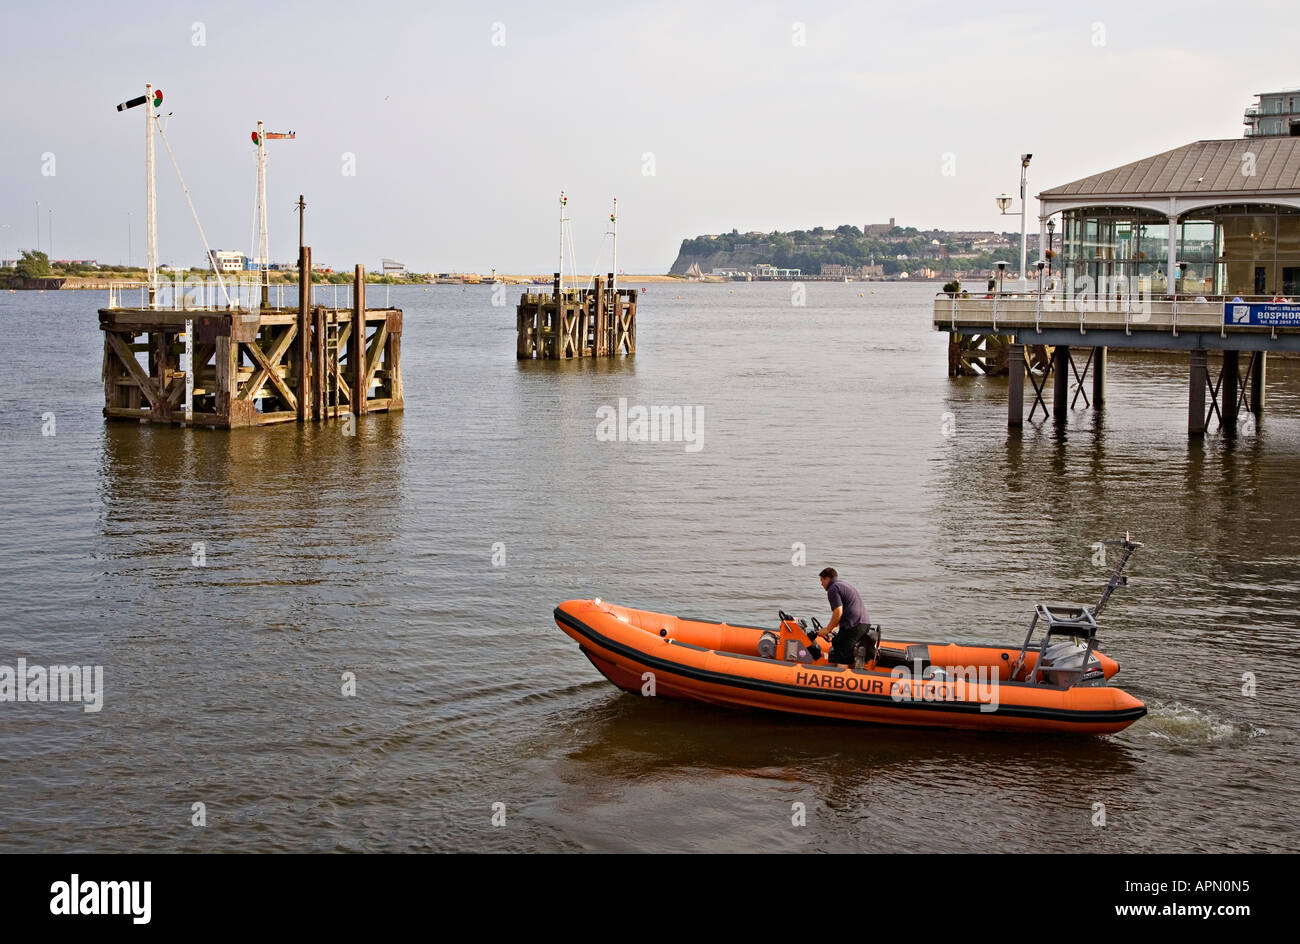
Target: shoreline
{"points": [[73, 283]]}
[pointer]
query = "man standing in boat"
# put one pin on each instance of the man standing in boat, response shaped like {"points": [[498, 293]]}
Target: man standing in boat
{"points": [[847, 614]]}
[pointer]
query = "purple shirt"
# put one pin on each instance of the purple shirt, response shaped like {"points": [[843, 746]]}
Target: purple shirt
{"points": [[842, 594]]}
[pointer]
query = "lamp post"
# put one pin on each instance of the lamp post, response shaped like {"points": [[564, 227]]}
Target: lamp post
{"points": [[1040, 265], [1051, 245], [1024, 180], [1002, 268], [1004, 203]]}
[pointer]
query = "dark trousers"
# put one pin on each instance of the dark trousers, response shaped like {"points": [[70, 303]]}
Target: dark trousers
{"points": [[842, 645]]}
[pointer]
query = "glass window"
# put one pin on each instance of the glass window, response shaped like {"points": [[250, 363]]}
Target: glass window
{"points": [[1288, 236]]}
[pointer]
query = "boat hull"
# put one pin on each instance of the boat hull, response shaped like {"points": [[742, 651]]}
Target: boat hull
{"points": [[650, 653]]}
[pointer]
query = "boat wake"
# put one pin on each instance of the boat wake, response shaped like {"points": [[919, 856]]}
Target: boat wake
{"points": [[1185, 724]]}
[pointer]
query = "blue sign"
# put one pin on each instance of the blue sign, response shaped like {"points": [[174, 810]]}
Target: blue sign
{"points": [[1267, 315]]}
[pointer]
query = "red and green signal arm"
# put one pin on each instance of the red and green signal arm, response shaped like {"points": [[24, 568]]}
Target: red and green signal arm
{"points": [[274, 136], [140, 100]]}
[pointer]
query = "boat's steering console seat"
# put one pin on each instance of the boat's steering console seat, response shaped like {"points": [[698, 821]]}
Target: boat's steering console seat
{"points": [[916, 658]]}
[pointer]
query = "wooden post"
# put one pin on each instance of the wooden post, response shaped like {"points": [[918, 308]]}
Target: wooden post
{"points": [[108, 374], [597, 331], [631, 323], [357, 353], [1098, 377], [1061, 383], [1198, 379], [613, 308], [1229, 389], [319, 366], [393, 363], [1016, 386], [1257, 383], [303, 348], [226, 359]]}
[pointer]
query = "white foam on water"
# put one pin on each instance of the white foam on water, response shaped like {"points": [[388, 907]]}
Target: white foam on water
{"points": [[1186, 724]]}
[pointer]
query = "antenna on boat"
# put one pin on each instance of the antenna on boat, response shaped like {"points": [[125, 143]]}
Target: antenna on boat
{"points": [[1117, 578]]}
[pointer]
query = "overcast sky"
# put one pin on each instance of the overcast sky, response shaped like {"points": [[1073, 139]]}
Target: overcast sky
{"points": [[466, 120]]}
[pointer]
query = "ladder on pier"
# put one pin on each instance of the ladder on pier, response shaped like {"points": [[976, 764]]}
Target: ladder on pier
{"points": [[332, 368]]}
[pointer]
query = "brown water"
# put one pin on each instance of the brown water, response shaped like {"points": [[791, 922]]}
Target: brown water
{"points": [[824, 424]]}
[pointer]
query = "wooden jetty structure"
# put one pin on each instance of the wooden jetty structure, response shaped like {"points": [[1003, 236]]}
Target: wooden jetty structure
{"points": [[250, 366], [596, 321]]}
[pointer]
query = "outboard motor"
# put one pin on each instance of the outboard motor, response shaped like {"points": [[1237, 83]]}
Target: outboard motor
{"points": [[1060, 664]]}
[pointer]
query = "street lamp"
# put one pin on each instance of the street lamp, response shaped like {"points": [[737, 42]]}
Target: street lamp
{"points": [[1002, 268], [1051, 244], [1004, 203]]}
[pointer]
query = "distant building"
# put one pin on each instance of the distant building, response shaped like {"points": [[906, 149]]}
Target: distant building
{"points": [[878, 229], [227, 260], [765, 271], [1274, 114], [392, 267]]}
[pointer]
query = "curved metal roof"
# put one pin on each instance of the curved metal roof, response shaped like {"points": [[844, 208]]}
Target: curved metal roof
{"points": [[1204, 167]]}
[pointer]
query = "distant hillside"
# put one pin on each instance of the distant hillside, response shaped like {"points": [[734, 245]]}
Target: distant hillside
{"points": [[895, 248]]}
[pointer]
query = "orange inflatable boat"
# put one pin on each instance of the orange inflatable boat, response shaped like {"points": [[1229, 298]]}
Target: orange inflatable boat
{"points": [[1053, 684]]}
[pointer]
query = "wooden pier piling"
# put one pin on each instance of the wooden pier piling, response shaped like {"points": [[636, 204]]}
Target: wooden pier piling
{"points": [[304, 345], [253, 367], [587, 322]]}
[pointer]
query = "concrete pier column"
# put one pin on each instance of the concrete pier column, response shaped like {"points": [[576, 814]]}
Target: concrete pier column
{"points": [[1229, 389], [1061, 383], [1257, 383], [1198, 380], [1098, 377], [1015, 386]]}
